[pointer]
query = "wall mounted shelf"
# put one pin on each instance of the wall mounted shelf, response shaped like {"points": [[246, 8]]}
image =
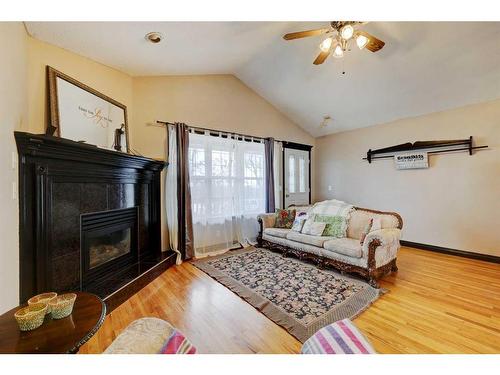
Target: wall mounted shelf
{"points": [[435, 147]]}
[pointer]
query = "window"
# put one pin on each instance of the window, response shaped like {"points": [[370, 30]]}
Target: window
{"points": [[254, 165], [220, 163], [227, 191], [253, 181], [226, 176], [302, 175], [197, 161], [291, 174]]}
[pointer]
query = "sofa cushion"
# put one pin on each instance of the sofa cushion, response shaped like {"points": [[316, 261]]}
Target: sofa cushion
{"points": [[307, 238], [315, 250], [277, 232], [359, 219], [346, 246]]}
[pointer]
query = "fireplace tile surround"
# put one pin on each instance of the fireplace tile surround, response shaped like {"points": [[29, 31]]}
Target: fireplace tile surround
{"points": [[61, 182]]}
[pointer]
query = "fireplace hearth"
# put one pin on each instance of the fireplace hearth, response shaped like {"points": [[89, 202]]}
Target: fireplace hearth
{"points": [[89, 219]]}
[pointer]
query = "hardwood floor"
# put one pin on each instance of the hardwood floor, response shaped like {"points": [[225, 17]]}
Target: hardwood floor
{"points": [[436, 304]]}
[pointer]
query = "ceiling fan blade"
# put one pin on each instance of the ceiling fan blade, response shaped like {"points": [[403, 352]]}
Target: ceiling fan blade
{"points": [[321, 58], [374, 44], [304, 34]]}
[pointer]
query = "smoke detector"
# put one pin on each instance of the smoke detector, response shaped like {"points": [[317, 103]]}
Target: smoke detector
{"points": [[154, 37], [325, 121]]}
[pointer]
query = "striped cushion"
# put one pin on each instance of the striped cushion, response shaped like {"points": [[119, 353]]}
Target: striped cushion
{"points": [[341, 337], [177, 344]]}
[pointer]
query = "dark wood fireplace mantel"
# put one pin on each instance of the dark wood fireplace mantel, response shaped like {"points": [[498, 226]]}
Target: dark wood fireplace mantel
{"points": [[44, 146], [59, 181]]}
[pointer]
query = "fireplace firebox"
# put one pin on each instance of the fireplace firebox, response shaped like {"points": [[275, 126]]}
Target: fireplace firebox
{"points": [[109, 245]]}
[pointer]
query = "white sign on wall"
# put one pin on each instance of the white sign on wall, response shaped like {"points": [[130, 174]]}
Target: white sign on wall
{"points": [[411, 160]]}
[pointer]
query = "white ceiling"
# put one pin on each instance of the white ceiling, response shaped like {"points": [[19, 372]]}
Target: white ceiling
{"points": [[424, 67]]}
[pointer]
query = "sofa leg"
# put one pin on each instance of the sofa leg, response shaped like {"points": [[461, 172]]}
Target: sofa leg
{"points": [[394, 267], [373, 282]]}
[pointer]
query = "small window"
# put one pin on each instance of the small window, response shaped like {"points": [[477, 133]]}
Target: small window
{"points": [[291, 174], [302, 175]]}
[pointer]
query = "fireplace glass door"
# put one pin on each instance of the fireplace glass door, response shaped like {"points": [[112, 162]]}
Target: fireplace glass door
{"points": [[109, 245]]}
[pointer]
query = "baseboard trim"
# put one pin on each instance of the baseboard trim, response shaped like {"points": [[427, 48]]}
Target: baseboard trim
{"points": [[446, 250]]}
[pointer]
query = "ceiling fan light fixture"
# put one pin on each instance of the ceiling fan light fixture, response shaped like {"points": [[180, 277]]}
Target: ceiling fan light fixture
{"points": [[326, 44], [361, 41], [347, 32], [337, 39], [338, 51]]}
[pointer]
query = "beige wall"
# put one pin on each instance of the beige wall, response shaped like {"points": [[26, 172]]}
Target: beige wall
{"points": [[220, 102], [214, 101], [109, 81], [13, 116], [23, 107], [455, 203]]}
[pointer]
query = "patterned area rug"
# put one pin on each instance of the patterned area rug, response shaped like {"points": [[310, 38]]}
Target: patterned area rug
{"points": [[296, 295]]}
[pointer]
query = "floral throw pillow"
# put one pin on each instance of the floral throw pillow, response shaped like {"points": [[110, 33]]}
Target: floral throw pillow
{"points": [[298, 223], [284, 219], [335, 225]]}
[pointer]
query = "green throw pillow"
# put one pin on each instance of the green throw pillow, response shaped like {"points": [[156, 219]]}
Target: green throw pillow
{"points": [[335, 225]]}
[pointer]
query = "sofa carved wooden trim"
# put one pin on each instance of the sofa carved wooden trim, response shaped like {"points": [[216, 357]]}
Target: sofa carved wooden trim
{"points": [[373, 243]]}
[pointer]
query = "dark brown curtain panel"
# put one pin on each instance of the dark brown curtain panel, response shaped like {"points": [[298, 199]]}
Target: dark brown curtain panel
{"points": [[269, 156], [184, 192]]}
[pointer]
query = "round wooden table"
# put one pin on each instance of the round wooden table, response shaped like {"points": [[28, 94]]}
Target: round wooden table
{"points": [[65, 335]]}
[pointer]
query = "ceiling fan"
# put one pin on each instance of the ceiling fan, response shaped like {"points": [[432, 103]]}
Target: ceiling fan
{"points": [[339, 36]]}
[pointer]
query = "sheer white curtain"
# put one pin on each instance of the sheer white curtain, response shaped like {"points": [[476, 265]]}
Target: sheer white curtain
{"points": [[227, 192], [171, 194]]}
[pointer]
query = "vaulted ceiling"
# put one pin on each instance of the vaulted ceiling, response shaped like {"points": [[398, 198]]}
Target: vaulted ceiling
{"points": [[424, 67]]}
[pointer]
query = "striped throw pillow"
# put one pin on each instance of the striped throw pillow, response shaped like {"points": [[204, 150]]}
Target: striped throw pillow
{"points": [[341, 337]]}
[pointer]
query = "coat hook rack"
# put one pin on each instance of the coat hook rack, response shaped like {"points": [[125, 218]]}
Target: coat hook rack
{"points": [[436, 146]]}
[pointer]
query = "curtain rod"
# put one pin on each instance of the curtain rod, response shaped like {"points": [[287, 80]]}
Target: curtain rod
{"points": [[166, 123]]}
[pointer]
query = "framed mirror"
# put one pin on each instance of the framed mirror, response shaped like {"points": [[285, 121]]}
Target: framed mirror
{"points": [[80, 113]]}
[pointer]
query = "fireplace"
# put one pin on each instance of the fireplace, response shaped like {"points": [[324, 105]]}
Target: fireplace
{"points": [[109, 245], [89, 219]]}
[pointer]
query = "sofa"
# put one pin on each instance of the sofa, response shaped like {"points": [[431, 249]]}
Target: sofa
{"points": [[372, 260]]}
